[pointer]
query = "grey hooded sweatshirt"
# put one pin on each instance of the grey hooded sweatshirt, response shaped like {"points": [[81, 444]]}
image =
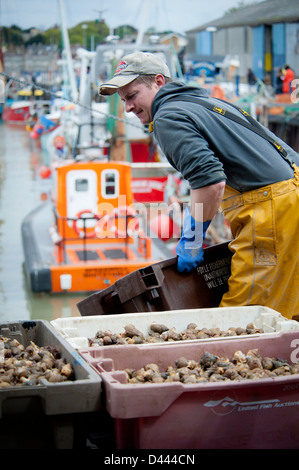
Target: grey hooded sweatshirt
{"points": [[206, 147]]}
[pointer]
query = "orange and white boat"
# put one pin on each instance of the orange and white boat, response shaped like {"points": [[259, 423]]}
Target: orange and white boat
{"points": [[88, 234]]}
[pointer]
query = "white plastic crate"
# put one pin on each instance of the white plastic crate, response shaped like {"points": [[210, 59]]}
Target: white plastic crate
{"points": [[77, 330]]}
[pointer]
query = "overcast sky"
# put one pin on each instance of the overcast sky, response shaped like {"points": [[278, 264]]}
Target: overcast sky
{"points": [[176, 15]]}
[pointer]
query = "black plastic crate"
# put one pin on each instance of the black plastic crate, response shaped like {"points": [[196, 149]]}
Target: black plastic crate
{"points": [[161, 287]]}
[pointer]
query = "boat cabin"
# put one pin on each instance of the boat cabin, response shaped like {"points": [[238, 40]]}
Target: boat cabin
{"points": [[84, 192], [97, 236]]}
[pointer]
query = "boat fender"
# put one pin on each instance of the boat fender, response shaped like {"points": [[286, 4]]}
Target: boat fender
{"points": [[115, 230], [55, 236], [80, 232], [44, 172], [59, 142]]}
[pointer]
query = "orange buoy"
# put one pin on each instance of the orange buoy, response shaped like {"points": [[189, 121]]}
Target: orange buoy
{"points": [[59, 142], [33, 134], [217, 92], [44, 171], [43, 196], [162, 226]]}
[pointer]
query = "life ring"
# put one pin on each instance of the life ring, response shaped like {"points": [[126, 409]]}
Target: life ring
{"points": [[81, 232], [113, 229]]}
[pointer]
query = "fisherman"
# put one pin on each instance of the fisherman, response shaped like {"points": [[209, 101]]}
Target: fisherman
{"points": [[229, 159], [288, 76]]}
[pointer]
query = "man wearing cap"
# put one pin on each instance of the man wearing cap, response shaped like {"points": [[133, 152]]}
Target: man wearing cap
{"points": [[231, 161]]}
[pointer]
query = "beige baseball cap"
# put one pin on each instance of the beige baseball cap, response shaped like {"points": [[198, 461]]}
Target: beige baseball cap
{"points": [[130, 67]]}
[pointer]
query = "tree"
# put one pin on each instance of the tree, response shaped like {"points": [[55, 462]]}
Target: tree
{"points": [[94, 32], [241, 4], [79, 35], [53, 36], [36, 39], [125, 30], [13, 36]]}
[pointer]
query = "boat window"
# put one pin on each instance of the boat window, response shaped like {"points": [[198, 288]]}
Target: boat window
{"points": [[81, 185], [110, 183]]}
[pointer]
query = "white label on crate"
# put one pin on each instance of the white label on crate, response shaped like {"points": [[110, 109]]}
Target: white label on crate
{"points": [[215, 273], [226, 405]]}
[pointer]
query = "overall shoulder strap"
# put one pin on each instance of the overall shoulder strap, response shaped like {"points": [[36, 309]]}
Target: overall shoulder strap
{"points": [[251, 123]]}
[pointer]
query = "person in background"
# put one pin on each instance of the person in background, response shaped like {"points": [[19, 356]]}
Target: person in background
{"points": [[229, 160], [251, 78], [279, 82], [265, 86], [288, 77]]}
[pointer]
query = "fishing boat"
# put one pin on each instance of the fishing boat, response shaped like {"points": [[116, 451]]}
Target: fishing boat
{"points": [[16, 111], [19, 109], [87, 234]]}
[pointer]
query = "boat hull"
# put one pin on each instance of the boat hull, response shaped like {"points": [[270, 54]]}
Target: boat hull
{"points": [[16, 115], [91, 266]]}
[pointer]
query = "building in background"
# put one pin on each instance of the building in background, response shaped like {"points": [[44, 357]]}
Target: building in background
{"points": [[263, 37]]}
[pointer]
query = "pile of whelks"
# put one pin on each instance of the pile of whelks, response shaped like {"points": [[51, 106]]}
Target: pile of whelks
{"points": [[20, 365], [211, 368], [160, 333]]}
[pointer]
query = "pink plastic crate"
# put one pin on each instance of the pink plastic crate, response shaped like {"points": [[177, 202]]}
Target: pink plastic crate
{"points": [[247, 414]]}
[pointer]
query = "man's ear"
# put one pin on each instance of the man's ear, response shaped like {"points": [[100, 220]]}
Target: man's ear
{"points": [[160, 80]]}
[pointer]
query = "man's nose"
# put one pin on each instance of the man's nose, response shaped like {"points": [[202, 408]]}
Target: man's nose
{"points": [[129, 106]]}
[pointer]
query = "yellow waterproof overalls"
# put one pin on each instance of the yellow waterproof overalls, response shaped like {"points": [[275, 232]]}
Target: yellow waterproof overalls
{"points": [[265, 229], [265, 246]]}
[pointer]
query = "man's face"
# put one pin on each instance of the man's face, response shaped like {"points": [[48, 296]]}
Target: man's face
{"points": [[138, 98]]}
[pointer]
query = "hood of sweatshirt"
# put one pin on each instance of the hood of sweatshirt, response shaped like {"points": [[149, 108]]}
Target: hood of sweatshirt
{"points": [[175, 89]]}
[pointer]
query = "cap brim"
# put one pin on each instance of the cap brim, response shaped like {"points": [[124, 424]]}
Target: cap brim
{"points": [[111, 87]]}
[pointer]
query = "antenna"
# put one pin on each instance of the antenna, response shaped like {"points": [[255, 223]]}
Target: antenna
{"points": [[100, 13], [100, 19]]}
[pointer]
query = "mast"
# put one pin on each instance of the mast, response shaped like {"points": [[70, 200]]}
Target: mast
{"points": [[1, 52], [67, 48], [140, 35], [2, 79]]}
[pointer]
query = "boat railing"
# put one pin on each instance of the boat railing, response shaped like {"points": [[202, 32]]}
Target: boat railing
{"points": [[84, 235], [267, 115]]}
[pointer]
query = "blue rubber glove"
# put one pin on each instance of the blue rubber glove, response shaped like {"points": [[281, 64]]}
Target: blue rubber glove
{"points": [[190, 247]]}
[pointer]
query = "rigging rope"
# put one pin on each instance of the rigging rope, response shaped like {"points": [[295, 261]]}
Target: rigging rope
{"points": [[24, 84]]}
